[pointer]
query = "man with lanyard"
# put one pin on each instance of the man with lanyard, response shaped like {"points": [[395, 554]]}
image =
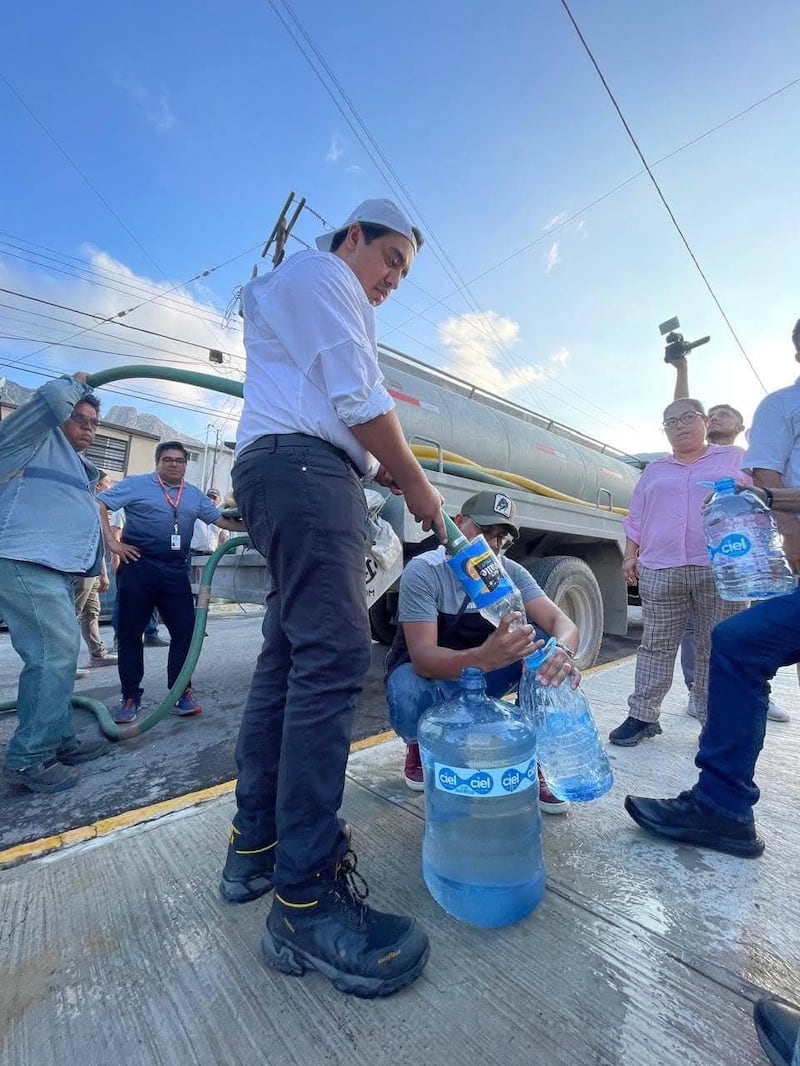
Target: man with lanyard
{"points": [[160, 512], [49, 532], [316, 420], [441, 631]]}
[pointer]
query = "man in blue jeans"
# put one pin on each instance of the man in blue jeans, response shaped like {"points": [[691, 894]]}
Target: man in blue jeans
{"points": [[746, 651], [49, 534], [440, 632]]}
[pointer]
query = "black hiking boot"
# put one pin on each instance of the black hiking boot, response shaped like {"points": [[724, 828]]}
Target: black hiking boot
{"points": [[248, 869], [365, 953]]}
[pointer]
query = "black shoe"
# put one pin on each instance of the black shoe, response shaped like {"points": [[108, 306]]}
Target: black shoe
{"points": [[632, 731], [778, 1028], [364, 952], [47, 777], [155, 642], [690, 821], [248, 869], [82, 749]]}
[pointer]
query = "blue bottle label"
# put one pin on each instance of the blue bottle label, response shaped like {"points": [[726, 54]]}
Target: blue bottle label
{"points": [[480, 573], [499, 781], [731, 546]]}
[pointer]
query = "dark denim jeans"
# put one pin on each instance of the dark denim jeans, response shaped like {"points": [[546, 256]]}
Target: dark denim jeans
{"points": [[144, 585], [746, 650], [305, 511]]}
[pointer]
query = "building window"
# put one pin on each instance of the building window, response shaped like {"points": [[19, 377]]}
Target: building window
{"points": [[193, 457], [108, 453]]}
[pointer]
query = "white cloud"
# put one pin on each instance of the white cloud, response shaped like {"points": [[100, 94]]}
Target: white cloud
{"points": [[561, 356], [354, 168], [181, 314], [477, 346], [335, 149], [556, 220], [155, 108], [552, 257]]}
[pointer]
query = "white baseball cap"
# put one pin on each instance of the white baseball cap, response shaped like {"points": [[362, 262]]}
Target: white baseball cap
{"points": [[380, 213]]}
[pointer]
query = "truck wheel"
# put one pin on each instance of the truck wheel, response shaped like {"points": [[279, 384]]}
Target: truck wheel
{"points": [[382, 618], [572, 586]]}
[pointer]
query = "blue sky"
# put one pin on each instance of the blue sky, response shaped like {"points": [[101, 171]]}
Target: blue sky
{"points": [[193, 122]]}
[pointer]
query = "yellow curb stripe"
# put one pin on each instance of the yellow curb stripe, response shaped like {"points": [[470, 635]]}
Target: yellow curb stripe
{"points": [[34, 849], [608, 666]]}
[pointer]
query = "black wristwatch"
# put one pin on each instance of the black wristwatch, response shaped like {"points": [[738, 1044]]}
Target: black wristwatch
{"points": [[767, 497]]}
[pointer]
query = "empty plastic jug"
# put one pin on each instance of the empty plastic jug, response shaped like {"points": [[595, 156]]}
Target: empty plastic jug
{"points": [[482, 576]]}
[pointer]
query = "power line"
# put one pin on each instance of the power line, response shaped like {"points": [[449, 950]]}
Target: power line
{"points": [[111, 320], [661, 195], [189, 308], [379, 158]]}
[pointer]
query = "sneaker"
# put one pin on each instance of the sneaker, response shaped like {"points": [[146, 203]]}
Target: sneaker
{"points": [[776, 713], [128, 711], [549, 803], [155, 642], [688, 820], [412, 771], [632, 731], [247, 873], [82, 749], [47, 777], [96, 661], [778, 1030], [187, 705], [366, 953]]}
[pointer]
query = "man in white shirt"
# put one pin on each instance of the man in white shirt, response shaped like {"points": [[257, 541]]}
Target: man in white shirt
{"points": [[316, 420], [207, 538]]}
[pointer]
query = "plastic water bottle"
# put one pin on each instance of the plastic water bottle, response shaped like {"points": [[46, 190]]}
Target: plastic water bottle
{"points": [[747, 556], [483, 577], [482, 851], [569, 748]]}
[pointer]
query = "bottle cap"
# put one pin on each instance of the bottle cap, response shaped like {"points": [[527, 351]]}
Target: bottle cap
{"points": [[535, 660]]}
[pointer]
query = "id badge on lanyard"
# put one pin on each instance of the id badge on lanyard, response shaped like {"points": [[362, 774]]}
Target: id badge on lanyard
{"points": [[175, 538]]}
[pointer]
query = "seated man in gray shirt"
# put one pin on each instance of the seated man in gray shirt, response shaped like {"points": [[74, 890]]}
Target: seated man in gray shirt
{"points": [[441, 631]]}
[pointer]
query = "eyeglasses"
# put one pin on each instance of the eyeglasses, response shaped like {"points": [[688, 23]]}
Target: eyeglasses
{"points": [[685, 419], [171, 461], [501, 535], [82, 420]]}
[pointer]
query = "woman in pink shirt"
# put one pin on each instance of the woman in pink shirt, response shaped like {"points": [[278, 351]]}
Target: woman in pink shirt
{"points": [[666, 554]]}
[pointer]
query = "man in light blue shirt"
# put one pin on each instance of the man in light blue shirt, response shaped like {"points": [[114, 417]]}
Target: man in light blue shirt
{"points": [[49, 533], [160, 513]]}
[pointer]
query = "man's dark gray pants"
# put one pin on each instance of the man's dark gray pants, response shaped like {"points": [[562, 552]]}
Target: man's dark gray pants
{"points": [[305, 511]]}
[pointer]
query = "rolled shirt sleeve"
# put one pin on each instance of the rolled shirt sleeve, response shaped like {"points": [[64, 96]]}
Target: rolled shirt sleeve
{"points": [[772, 438]]}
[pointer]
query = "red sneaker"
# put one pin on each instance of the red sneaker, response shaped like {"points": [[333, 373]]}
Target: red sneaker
{"points": [[548, 802], [412, 771]]}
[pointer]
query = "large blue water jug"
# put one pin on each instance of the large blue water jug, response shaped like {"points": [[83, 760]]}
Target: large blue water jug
{"points": [[569, 748], [482, 851], [746, 552]]}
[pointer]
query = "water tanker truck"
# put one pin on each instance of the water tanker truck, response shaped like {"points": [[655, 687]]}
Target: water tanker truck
{"points": [[571, 493]]}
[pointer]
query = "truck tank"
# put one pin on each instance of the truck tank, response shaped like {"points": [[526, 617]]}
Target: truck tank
{"points": [[501, 435]]}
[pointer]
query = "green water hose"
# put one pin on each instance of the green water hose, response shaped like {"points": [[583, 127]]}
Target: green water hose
{"points": [[134, 729]]}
